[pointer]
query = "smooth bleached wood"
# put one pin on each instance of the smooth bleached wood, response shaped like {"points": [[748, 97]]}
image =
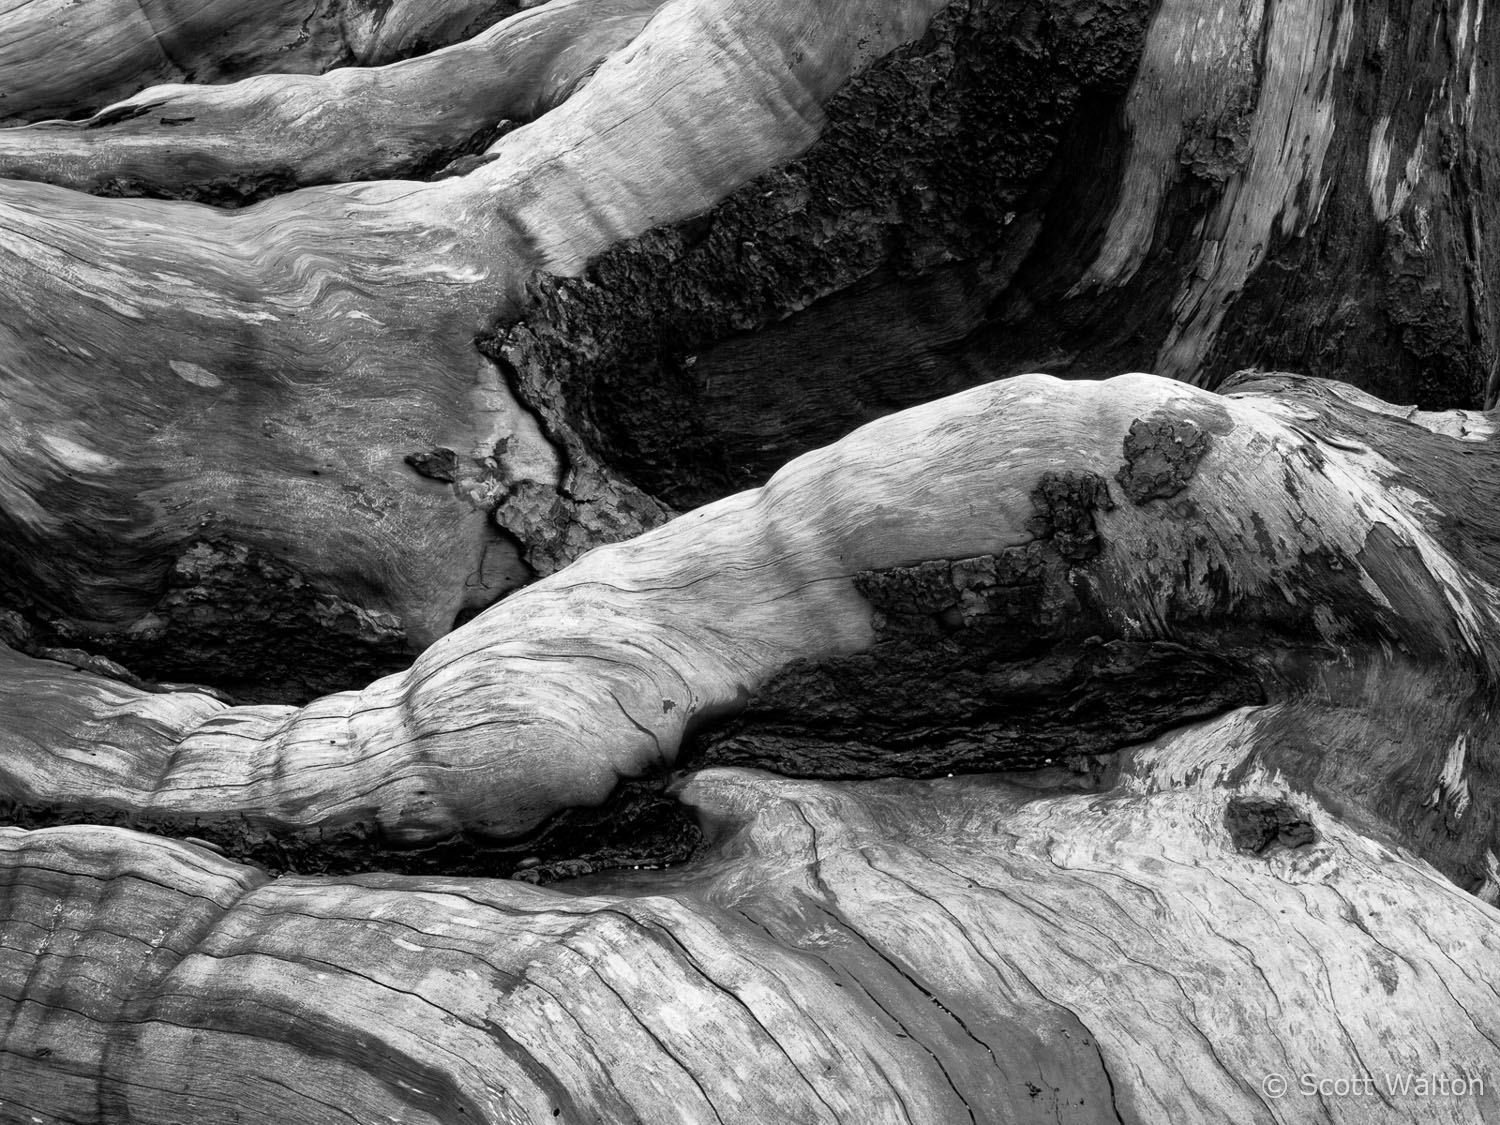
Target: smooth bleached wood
{"points": [[1057, 751]]}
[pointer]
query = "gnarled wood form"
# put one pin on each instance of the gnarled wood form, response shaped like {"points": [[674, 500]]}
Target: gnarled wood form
{"points": [[1257, 543], [1117, 750], [326, 338]]}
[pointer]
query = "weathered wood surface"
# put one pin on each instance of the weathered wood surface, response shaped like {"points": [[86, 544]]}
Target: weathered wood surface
{"points": [[1257, 543], [272, 370], [1073, 187], [59, 58], [1229, 660], [953, 950], [325, 338], [271, 134]]}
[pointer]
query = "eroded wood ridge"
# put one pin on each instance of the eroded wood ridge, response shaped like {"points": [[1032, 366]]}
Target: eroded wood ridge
{"points": [[503, 617]]}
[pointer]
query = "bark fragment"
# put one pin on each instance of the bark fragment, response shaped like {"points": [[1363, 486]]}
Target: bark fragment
{"points": [[1161, 456]]}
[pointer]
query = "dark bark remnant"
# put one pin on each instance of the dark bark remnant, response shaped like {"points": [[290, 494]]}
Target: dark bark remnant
{"points": [[640, 825], [1161, 456], [1065, 504], [1000, 662], [439, 464], [1256, 824], [865, 269], [234, 618]]}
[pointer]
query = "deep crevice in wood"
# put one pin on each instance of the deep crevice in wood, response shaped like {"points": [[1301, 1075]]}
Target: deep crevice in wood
{"points": [[235, 620], [641, 825]]}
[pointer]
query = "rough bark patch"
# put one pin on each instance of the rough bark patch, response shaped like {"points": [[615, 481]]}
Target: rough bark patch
{"points": [[987, 663], [1065, 504], [241, 621], [918, 202], [1256, 824], [1161, 456]]}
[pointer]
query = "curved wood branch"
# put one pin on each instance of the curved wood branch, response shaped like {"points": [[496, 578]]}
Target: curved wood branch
{"points": [[1253, 548], [1217, 672], [267, 134], [115, 48]]}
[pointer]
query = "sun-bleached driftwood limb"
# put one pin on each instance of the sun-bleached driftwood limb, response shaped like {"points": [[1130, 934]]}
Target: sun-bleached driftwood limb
{"points": [[325, 340], [1096, 544], [58, 58], [274, 133], [955, 950]]}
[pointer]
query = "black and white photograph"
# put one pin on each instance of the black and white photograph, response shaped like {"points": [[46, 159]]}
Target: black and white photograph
{"points": [[749, 562]]}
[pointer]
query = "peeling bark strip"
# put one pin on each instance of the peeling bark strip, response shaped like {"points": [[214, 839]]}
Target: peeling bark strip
{"points": [[862, 952]]}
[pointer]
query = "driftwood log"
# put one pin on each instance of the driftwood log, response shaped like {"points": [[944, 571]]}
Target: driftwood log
{"points": [[538, 582]]}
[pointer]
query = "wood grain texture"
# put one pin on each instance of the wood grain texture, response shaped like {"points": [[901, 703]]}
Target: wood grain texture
{"points": [[267, 134], [1356, 141], [1227, 661], [1109, 957], [1255, 83], [1334, 579], [272, 370], [1058, 185], [112, 49]]}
